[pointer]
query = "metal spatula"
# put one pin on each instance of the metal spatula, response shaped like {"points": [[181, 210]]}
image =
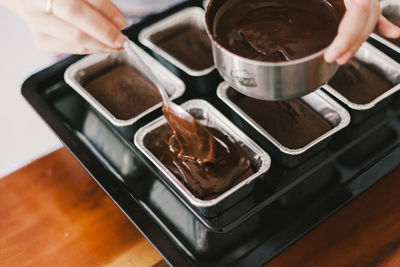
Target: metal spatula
{"points": [[180, 112]]}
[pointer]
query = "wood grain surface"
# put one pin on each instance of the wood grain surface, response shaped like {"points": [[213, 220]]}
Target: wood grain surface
{"points": [[364, 233], [53, 214]]}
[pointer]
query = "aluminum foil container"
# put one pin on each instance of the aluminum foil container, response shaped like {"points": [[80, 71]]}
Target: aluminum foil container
{"points": [[388, 7], [329, 109], [101, 137], [208, 115], [77, 74], [387, 68], [193, 16]]}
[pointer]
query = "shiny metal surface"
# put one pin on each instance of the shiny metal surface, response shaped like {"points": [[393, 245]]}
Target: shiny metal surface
{"points": [[77, 74], [329, 109], [384, 65], [208, 115], [189, 16], [180, 112], [266, 80]]}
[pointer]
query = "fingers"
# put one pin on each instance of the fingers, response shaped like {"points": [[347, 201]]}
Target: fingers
{"points": [[55, 46], [53, 34], [52, 45], [83, 16], [358, 22], [108, 10], [388, 29], [362, 37], [105, 7]]}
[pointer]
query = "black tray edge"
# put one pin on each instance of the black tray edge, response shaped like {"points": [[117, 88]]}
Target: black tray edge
{"points": [[86, 158]]}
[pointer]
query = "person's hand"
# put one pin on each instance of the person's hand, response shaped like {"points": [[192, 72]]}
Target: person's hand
{"points": [[72, 26], [359, 21]]}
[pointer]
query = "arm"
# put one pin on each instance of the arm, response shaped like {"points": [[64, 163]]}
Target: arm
{"points": [[71, 26]]}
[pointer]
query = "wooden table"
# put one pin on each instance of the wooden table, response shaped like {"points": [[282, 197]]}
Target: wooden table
{"points": [[53, 214]]}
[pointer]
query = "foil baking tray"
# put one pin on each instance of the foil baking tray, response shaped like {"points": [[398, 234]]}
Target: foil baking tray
{"points": [[193, 16], [78, 73], [384, 66], [388, 7], [208, 115], [329, 109]]}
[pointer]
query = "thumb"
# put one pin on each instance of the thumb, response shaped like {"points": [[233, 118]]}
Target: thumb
{"points": [[388, 29]]}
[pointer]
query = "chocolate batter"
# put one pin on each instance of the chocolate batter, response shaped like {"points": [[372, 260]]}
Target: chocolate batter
{"points": [[192, 141], [292, 123], [359, 83], [188, 44], [274, 30], [204, 159], [123, 92]]}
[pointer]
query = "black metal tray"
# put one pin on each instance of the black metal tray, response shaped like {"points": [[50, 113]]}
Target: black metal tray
{"points": [[285, 205]]}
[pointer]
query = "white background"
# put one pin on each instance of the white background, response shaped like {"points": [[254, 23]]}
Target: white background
{"points": [[23, 134]]}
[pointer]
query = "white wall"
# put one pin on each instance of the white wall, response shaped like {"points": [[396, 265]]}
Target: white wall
{"points": [[23, 135]]}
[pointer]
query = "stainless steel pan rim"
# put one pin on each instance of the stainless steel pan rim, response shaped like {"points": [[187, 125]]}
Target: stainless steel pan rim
{"points": [[266, 63], [258, 62]]}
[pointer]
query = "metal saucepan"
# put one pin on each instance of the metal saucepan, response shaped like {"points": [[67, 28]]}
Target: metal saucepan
{"points": [[267, 80]]}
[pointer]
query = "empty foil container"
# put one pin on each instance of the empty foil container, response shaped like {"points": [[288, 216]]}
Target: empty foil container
{"points": [[385, 67], [91, 66], [324, 105], [208, 115]]}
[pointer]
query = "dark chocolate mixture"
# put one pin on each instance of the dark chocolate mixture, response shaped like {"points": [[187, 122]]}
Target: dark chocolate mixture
{"points": [[204, 159], [359, 83], [192, 141], [123, 92], [292, 123], [275, 30], [188, 44]]}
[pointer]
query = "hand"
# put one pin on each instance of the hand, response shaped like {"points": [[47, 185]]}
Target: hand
{"points": [[72, 26], [359, 21]]}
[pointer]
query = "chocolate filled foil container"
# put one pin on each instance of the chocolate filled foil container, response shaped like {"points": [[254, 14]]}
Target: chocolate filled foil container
{"points": [[80, 72], [192, 16], [385, 67], [208, 115], [320, 102], [391, 8]]}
